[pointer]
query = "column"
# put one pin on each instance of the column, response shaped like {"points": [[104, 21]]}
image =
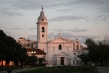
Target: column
{"points": [[58, 60], [65, 61], [71, 62]]}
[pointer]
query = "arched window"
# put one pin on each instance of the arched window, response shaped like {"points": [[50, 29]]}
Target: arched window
{"points": [[77, 47], [77, 42], [43, 29], [42, 35], [43, 19], [73, 47], [74, 53], [60, 47]]}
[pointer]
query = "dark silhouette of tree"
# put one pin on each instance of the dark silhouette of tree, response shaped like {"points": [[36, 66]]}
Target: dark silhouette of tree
{"points": [[98, 51], [41, 60], [33, 59], [10, 50], [84, 58]]}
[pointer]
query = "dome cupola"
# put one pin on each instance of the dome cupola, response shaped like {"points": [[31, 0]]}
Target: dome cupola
{"points": [[42, 17]]}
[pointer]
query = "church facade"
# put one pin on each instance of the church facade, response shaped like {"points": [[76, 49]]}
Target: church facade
{"points": [[60, 50]]}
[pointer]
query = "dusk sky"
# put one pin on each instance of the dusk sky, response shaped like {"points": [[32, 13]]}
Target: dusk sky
{"points": [[72, 18]]}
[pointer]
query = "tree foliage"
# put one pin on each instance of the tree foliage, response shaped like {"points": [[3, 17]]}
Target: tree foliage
{"points": [[31, 60], [10, 50], [98, 51], [84, 58]]}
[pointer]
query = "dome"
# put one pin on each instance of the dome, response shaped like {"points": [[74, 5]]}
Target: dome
{"points": [[42, 17]]}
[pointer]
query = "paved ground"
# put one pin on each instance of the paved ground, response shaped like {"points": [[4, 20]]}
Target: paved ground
{"points": [[100, 68], [103, 69], [19, 70]]}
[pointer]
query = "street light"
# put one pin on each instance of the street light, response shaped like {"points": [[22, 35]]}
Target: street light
{"points": [[33, 52], [32, 46]]}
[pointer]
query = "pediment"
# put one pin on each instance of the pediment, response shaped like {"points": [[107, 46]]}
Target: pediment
{"points": [[62, 54], [61, 40]]}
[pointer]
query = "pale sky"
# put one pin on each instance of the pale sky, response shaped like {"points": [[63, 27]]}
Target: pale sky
{"points": [[72, 18]]}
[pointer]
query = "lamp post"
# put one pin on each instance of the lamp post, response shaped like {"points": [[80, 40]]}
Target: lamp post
{"points": [[33, 52], [33, 57]]}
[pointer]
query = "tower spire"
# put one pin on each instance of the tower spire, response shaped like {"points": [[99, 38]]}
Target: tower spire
{"points": [[42, 17]]}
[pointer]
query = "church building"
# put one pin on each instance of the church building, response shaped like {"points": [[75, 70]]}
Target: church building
{"points": [[60, 50]]}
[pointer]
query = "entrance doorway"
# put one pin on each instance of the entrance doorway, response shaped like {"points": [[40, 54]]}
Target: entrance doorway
{"points": [[62, 60]]}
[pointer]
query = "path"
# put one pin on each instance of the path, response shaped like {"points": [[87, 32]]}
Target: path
{"points": [[103, 69], [19, 70]]}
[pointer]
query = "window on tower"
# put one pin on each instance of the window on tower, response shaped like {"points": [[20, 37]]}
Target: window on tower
{"points": [[60, 47], [73, 47], [77, 47], [74, 53], [43, 29], [42, 35], [43, 19]]}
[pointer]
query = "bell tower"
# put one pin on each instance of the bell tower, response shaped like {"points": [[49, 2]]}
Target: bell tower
{"points": [[42, 28]]}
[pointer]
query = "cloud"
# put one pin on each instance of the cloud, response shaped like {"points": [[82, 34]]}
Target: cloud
{"points": [[10, 34], [100, 5], [65, 18], [16, 28], [101, 18], [106, 37], [71, 34], [32, 28], [7, 33], [26, 4], [75, 30], [32, 37], [65, 10], [23, 28], [82, 38], [9, 13], [34, 4]]}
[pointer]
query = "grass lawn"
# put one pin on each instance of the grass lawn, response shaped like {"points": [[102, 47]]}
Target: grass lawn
{"points": [[5, 68], [63, 69]]}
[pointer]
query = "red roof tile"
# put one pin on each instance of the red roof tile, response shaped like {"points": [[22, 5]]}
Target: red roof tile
{"points": [[38, 51]]}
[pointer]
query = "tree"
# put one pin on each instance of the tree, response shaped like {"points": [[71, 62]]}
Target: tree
{"points": [[104, 52], [41, 60], [98, 51], [3, 46], [10, 50], [33, 59], [84, 58]]}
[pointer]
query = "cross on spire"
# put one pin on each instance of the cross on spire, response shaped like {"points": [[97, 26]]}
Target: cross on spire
{"points": [[59, 34], [42, 8]]}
